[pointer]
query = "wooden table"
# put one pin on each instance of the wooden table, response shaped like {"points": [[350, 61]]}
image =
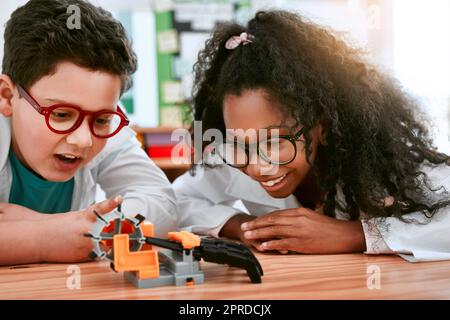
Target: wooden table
{"points": [[343, 276]]}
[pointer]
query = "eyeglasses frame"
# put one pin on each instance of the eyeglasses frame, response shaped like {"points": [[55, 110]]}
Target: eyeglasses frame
{"points": [[293, 138], [46, 111]]}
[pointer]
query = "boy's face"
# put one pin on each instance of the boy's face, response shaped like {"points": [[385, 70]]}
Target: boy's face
{"points": [[45, 152]]}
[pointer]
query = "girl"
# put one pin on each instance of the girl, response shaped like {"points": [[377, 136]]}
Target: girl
{"points": [[346, 141]]}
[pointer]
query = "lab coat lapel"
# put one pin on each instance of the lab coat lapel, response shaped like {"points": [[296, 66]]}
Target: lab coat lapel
{"points": [[5, 140], [5, 170]]}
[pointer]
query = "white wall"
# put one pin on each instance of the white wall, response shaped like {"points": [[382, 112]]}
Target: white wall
{"points": [[6, 8], [341, 15], [422, 59], [145, 79]]}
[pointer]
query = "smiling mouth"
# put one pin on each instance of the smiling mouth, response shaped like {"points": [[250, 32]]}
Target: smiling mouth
{"points": [[273, 182]]}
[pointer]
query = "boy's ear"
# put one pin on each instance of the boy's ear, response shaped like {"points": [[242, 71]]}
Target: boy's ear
{"points": [[6, 95]]}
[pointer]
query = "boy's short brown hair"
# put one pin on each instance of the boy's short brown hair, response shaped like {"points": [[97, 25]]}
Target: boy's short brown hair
{"points": [[38, 37]]}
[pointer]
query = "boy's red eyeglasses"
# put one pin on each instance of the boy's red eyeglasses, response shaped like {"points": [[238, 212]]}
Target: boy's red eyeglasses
{"points": [[64, 119]]}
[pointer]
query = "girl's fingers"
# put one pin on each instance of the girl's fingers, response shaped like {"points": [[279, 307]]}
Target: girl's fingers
{"points": [[267, 221], [274, 218], [258, 247], [282, 245], [270, 232]]}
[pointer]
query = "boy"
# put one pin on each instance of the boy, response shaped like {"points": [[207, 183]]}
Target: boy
{"points": [[61, 133]]}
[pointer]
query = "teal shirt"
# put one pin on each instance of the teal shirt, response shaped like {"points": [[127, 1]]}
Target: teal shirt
{"points": [[36, 193]]}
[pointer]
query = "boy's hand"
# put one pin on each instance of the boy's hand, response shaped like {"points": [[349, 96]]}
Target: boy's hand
{"points": [[305, 231], [63, 239], [9, 212]]}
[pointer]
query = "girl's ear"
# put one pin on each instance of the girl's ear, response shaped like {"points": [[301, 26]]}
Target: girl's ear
{"points": [[6, 95]]}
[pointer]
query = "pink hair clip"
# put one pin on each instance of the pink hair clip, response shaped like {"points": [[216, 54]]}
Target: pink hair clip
{"points": [[235, 41]]}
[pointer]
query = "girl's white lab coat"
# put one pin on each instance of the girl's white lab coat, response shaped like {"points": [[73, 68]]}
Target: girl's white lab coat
{"points": [[212, 196], [121, 168]]}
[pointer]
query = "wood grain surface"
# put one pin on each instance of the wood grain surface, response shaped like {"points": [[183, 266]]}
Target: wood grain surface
{"points": [[343, 276]]}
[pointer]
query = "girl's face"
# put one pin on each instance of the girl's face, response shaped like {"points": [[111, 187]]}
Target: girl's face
{"points": [[252, 111]]}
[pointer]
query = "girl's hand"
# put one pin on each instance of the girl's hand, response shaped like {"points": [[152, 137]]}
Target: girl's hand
{"points": [[62, 238], [305, 231], [232, 229]]}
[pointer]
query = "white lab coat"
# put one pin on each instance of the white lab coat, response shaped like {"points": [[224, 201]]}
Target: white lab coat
{"points": [[121, 168], [208, 199]]}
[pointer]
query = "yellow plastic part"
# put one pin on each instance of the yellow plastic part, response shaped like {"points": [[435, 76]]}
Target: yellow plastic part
{"points": [[144, 263], [188, 240]]}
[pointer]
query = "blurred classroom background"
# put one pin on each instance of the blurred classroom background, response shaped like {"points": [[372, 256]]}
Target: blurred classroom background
{"points": [[408, 38]]}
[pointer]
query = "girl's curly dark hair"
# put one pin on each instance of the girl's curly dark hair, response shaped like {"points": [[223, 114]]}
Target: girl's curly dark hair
{"points": [[375, 146]]}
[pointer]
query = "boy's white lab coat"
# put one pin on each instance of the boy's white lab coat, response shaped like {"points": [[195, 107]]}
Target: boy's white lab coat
{"points": [[121, 168], [212, 196]]}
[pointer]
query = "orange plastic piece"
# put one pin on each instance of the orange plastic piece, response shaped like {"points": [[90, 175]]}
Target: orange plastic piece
{"points": [[147, 231], [126, 227], [190, 283], [188, 240], [144, 263]]}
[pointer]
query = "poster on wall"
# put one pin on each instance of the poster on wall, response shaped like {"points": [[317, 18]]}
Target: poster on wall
{"points": [[182, 30]]}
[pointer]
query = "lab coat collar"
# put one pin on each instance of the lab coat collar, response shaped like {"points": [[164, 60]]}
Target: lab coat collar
{"points": [[5, 140]]}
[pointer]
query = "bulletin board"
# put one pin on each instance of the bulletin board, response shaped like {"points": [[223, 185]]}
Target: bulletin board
{"points": [[182, 28]]}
